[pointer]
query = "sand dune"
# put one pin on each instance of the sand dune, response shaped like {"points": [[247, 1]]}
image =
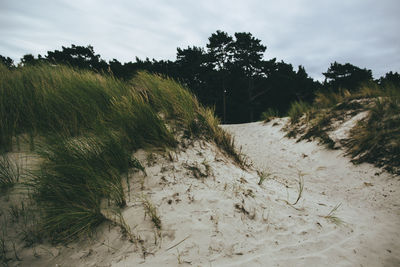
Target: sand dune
{"points": [[213, 213], [369, 215]]}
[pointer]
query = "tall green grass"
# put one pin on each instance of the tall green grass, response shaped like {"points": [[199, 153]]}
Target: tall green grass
{"points": [[297, 109], [10, 171], [139, 123], [51, 99], [172, 100], [182, 110], [85, 127], [76, 176]]}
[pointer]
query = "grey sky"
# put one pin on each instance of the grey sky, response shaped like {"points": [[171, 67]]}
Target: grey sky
{"points": [[312, 33]]}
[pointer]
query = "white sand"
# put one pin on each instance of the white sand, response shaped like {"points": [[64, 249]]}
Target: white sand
{"points": [[226, 219], [369, 198]]}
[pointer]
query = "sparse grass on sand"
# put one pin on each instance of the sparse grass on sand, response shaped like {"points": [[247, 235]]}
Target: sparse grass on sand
{"points": [[85, 126], [297, 109], [374, 139], [377, 138]]}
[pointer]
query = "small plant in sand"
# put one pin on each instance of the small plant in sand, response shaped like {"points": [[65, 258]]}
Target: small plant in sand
{"points": [[332, 215], [263, 175], [179, 256], [300, 188], [152, 212]]}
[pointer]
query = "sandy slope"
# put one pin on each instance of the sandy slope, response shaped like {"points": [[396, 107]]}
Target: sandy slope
{"points": [[213, 213], [369, 198]]}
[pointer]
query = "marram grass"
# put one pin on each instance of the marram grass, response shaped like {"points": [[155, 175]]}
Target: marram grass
{"points": [[375, 139], [77, 174], [10, 171], [85, 126]]}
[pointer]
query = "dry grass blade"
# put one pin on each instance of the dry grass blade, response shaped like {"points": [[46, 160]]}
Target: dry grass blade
{"points": [[178, 243], [300, 189], [332, 215], [152, 212]]}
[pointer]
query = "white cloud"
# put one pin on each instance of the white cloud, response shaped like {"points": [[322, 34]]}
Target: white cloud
{"points": [[306, 32]]}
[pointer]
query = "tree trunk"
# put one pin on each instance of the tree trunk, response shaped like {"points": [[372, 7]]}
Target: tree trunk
{"points": [[250, 95]]}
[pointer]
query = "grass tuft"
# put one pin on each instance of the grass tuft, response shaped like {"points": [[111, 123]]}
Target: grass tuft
{"points": [[152, 212], [297, 110], [10, 171], [375, 139], [269, 115], [85, 126], [332, 215], [78, 173]]}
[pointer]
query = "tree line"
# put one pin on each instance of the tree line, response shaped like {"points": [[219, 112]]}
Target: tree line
{"points": [[229, 73]]}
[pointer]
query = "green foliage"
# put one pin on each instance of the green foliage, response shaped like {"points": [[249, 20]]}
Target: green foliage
{"points": [[7, 61], [170, 99], [77, 174], [182, 110], [223, 139], [329, 98], [139, 122], [374, 139], [297, 109], [88, 125], [269, 114], [220, 49], [346, 76], [377, 138], [47, 99]]}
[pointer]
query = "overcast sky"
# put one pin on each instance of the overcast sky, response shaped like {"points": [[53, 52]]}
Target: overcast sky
{"points": [[312, 33]]}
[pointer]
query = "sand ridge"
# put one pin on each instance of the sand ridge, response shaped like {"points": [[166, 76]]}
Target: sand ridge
{"points": [[214, 213], [368, 234]]}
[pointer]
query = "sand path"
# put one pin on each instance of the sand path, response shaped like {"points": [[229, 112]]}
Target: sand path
{"points": [[368, 233]]}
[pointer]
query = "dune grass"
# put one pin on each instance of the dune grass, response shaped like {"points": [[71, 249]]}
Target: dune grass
{"points": [[85, 126], [297, 110], [10, 172], [331, 216], [77, 175], [269, 114], [375, 139], [51, 99], [182, 111]]}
